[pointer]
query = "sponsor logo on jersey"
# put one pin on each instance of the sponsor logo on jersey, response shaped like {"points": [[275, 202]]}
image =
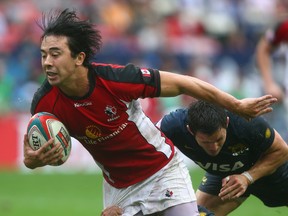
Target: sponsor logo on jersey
{"points": [[267, 133], [111, 111], [221, 167], [87, 103], [238, 149], [93, 132], [145, 72], [115, 133]]}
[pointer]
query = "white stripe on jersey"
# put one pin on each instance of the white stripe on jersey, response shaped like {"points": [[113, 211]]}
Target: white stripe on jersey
{"points": [[147, 129]]}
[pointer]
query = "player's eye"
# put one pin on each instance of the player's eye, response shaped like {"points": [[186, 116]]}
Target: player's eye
{"points": [[55, 54]]}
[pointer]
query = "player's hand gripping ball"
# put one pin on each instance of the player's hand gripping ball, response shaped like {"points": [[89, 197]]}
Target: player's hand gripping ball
{"points": [[42, 127]]}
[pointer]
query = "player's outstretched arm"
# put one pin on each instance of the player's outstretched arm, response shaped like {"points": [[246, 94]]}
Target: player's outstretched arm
{"points": [[42, 156], [174, 84]]}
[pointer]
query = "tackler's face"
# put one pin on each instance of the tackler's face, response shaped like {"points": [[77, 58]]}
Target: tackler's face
{"points": [[57, 63], [212, 143]]}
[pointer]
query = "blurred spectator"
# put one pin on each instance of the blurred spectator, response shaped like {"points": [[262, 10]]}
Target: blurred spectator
{"points": [[272, 47]]}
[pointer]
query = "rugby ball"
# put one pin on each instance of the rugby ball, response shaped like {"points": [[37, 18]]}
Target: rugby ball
{"points": [[42, 127]]}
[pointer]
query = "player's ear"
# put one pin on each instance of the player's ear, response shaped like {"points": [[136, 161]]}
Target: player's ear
{"points": [[188, 128], [80, 58]]}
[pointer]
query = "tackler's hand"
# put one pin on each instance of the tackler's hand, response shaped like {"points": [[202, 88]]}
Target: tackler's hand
{"points": [[233, 187]]}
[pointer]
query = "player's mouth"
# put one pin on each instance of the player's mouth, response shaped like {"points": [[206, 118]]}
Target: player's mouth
{"points": [[51, 75]]}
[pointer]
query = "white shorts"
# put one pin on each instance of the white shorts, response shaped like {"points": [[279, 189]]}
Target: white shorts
{"points": [[168, 187]]}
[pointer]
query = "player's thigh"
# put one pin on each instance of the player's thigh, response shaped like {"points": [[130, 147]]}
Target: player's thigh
{"points": [[179, 210], [182, 209], [216, 205]]}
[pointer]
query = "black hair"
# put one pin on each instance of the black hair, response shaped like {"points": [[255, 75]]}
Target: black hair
{"points": [[206, 117], [82, 36]]}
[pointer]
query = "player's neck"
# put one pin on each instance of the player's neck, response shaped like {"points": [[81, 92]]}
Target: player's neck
{"points": [[77, 85]]}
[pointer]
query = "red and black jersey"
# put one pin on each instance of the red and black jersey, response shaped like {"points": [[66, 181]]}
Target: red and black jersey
{"points": [[279, 34], [109, 121]]}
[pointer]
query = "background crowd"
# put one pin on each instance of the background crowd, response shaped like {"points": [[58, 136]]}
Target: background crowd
{"points": [[212, 40]]}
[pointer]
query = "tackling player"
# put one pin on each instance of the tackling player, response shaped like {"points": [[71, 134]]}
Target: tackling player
{"points": [[240, 157]]}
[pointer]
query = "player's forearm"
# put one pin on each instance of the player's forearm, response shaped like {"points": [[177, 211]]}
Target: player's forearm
{"points": [[265, 70], [263, 61], [210, 93], [263, 168], [173, 85]]}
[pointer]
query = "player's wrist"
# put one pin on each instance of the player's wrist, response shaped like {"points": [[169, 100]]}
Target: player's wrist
{"points": [[248, 176]]}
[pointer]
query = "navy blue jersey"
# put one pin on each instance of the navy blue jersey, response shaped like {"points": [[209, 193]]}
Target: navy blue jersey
{"points": [[245, 143]]}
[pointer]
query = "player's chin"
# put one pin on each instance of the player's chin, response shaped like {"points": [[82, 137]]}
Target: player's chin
{"points": [[53, 80]]}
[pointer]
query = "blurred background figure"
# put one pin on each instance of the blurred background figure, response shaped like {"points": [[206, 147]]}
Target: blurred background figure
{"points": [[273, 48]]}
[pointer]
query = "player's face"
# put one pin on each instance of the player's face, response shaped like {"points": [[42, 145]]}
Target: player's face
{"points": [[213, 143], [57, 62]]}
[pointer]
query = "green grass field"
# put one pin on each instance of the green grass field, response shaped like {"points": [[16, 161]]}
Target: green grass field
{"points": [[79, 194]]}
